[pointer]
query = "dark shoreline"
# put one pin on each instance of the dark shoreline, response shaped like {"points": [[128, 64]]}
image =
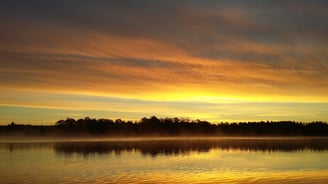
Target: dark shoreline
{"points": [[164, 127]]}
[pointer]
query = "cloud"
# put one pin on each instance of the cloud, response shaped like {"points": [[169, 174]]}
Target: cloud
{"points": [[166, 51]]}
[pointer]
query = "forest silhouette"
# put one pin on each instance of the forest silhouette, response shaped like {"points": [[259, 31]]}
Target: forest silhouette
{"points": [[154, 126]]}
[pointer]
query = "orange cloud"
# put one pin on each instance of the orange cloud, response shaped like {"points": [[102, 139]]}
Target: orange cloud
{"points": [[206, 54]]}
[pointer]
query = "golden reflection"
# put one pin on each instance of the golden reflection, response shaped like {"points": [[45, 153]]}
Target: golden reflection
{"points": [[160, 160]]}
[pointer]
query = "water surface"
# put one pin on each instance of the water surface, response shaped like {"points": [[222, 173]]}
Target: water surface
{"points": [[170, 160]]}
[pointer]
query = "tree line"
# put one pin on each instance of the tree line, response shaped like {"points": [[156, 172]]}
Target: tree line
{"points": [[154, 126]]}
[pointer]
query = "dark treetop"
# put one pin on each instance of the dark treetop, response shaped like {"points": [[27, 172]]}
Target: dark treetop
{"points": [[166, 127]]}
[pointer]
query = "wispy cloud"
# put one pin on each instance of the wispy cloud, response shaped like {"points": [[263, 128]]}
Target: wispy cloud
{"points": [[265, 52]]}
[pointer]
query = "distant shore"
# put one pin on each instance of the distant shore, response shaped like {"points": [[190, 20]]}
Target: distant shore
{"points": [[163, 127]]}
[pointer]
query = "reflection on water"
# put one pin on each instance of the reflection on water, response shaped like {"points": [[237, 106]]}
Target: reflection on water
{"points": [[169, 147], [229, 160], [179, 146]]}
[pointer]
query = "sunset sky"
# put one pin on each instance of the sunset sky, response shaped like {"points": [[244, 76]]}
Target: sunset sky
{"points": [[211, 60]]}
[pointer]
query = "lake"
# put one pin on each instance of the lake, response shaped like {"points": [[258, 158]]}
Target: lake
{"points": [[165, 160]]}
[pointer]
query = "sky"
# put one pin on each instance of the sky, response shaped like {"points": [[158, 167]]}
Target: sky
{"points": [[220, 61]]}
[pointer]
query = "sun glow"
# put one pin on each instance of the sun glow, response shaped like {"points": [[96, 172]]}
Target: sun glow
{"points": [[214, 62]]}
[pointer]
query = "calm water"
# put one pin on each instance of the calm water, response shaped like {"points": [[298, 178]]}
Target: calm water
{"points": [[183, 160]]}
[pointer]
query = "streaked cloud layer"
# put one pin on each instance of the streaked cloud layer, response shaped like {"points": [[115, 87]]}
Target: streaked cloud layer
{"points": [[214, 60]]}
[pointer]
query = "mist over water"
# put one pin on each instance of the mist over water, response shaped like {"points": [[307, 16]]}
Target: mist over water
{"points": [[166, 160]]}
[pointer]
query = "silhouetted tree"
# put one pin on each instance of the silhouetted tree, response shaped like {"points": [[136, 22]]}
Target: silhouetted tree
{"points": [[169, 126]]}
